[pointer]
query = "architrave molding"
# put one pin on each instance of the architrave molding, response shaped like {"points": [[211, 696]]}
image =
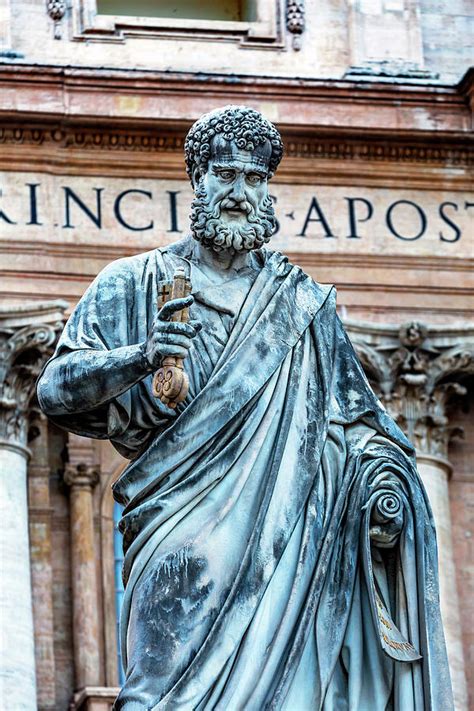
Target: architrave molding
{"points": [[51, 120], [319, 156]]}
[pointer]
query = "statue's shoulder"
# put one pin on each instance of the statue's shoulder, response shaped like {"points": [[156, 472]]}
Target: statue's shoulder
{"points": [[126, 267], [136, 268], [279, 263]]}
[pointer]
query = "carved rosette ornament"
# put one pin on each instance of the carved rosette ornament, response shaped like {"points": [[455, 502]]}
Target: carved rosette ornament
{"points": [[295, 21], [23, 352], [418, 374], [56, 11]]}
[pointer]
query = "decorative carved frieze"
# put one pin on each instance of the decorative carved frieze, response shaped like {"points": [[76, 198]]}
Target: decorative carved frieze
{"points": [[418, 373], [27, 338], [295, 21], [151, 141]]}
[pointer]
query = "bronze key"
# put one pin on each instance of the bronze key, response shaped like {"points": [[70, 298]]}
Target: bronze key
{"points": [[170, 382]]}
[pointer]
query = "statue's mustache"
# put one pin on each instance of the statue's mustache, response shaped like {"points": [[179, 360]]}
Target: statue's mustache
{"points": [[229, 204]]}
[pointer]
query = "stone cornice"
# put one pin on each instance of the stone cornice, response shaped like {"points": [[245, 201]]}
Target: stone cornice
{"points": [[24, 314], [135, 98], [390, 333], [108, 252]]}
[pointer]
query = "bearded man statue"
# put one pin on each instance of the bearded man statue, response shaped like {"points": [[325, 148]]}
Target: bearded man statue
{"points": [[279, 547]]}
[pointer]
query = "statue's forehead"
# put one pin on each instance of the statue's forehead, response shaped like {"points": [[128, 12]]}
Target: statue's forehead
{"points": [[223, 151]]}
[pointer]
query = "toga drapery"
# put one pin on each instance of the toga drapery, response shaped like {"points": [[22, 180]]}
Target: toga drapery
{"points": [[251, 579]]}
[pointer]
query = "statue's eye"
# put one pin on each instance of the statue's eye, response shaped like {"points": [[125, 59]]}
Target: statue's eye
{"points": [[226, 174], [254, 179]]}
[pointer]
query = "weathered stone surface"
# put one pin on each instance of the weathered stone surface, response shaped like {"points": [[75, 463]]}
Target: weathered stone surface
{"points": [[374, 131], [17, 663], [423, 32], [418, 373], [27, 335], [279, 439], [81, 477]]}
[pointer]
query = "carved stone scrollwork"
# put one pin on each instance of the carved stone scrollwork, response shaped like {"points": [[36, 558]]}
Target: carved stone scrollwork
{"points": [[23, 352], [417, 374], [56, 11], [295, 21]]}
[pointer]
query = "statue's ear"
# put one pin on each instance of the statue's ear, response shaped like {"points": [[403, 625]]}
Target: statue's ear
{"points": [[196, 177]]}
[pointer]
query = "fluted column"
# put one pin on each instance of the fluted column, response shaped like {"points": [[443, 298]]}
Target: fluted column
{"points": [[82, 477], [27, 335], [416, 370]]}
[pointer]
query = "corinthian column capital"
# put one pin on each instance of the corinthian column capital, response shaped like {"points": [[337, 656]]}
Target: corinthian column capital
{"points": [[27, 337], [418, 371], [81, 476]]}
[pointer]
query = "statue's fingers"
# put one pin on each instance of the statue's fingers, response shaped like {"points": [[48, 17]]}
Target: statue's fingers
{"points": [[168, 327], [168, 309], [172, 339], [197, 325], [171, 349]]}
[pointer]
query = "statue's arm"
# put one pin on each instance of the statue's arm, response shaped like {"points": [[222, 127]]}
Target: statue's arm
{"points": [[84, 379]]}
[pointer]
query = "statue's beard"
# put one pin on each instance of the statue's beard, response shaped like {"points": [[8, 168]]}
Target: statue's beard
{"points": [[210, 230]]}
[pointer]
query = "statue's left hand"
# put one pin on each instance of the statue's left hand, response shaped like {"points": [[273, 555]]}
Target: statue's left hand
{"points": [[386, 521]]}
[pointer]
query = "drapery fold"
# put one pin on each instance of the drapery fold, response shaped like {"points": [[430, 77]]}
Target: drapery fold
{"points": [[252, 581]]}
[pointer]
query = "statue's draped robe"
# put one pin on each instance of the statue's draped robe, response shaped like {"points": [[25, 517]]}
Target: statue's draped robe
{"points": [[251, 580]]}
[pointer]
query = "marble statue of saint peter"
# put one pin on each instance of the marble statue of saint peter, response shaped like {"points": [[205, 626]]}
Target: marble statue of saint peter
{"points": [[279, 547]]}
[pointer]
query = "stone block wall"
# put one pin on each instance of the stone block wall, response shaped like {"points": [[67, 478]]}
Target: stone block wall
{"points": [[427, 34]]}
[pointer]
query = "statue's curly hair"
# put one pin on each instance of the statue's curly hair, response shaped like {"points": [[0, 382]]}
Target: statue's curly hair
{"points": [[247, 127]]}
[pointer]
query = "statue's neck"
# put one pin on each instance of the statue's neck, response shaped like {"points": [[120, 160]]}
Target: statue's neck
{"points": [[221, 265]]}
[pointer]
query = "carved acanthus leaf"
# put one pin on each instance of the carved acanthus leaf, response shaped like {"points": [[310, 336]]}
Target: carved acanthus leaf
{"points": [[23, 352], [416, 375]]}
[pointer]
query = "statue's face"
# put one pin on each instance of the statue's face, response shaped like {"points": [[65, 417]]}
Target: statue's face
{"points": [[232, 209]]}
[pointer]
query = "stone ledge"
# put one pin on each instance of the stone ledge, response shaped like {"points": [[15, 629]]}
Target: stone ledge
{"points": [[94, 698]]}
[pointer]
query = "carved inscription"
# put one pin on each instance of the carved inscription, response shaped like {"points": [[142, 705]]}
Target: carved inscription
{"points": [[310, 218]]}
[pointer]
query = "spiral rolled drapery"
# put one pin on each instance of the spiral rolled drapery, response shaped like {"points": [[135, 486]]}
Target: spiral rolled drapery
{"points": [[387, 507]]}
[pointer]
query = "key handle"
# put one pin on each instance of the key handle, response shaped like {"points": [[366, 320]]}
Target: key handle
{"points": [[170, 382]]}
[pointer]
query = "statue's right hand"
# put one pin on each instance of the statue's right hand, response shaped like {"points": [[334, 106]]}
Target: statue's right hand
{"points": [[170, 338]]}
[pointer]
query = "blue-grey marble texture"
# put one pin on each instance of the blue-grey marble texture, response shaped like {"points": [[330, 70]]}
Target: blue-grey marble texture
{"points": [[280, 551]]}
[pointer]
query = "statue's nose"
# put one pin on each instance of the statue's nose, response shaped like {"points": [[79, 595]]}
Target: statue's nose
{"points": [[238, 192]]}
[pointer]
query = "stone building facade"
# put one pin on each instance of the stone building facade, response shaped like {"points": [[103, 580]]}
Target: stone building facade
{"points": [[374, 101]]}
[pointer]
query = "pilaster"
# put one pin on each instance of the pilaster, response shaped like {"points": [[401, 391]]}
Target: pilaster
{"points": [[81, 475]]}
